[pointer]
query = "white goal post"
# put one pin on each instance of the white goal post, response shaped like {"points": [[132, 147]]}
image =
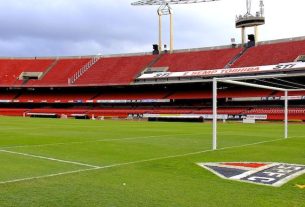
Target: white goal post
{"points": [[236, 81]]}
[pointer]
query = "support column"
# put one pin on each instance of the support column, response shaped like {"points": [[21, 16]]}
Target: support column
{"points": [[256, 34], [243, 30], [286, 114], [160, 32], [171, 32], [214, 114]]}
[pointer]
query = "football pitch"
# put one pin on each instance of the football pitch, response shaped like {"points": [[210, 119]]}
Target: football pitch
{"points": [[59, 163]]}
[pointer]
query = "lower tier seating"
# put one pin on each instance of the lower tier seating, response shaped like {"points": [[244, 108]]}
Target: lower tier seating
{"points": [[65, 97], [295, 113]]}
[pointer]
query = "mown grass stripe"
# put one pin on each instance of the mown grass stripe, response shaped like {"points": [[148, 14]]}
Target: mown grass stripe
{"points": [[133, 162]]}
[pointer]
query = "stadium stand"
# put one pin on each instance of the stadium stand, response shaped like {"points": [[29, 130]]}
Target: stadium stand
{"points": [[197, 60], [106, 89], [131, 95], [68, 112], [271, 54], [7, 96], [292, 93], [53, 97], [12, 112], [273, 113], [36, 65], [10, 69], [197, 94], [278, 113], [230, 111], [115, 70], [60, 73]]}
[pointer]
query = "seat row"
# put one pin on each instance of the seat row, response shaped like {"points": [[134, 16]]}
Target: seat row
{"points": [[272, 113], [122, 70]]}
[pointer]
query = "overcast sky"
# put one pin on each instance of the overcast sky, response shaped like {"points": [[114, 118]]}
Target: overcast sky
{"points": [[88, 27]]}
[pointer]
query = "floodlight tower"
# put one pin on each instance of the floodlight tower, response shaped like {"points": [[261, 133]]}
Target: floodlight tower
{"points": [[249, 20], [163, 10]]}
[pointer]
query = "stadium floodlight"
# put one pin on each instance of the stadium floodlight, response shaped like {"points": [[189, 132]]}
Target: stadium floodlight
{"points": [[165, 9], [249, 20]]}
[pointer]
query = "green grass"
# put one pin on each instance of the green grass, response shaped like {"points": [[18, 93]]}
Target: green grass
{"points": [[140, 171]]}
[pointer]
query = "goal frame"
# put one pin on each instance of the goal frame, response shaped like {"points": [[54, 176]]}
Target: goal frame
{"points": [[239, 81]]}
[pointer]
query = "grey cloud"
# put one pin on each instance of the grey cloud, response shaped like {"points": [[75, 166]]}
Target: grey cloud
{"points": [[82, 27], [72, 26]]}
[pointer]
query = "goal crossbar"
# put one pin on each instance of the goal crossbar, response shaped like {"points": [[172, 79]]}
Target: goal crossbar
{"points": [[252, 85]]}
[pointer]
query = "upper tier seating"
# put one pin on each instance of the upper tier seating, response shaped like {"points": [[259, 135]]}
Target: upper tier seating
{"points": [[10, 69], [60, 73], [36, 65], [201, 60], [115, 70], [122, 70], [271, 54]]}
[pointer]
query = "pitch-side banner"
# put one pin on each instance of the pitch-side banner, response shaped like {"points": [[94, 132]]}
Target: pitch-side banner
{"points": [[229, 71]]}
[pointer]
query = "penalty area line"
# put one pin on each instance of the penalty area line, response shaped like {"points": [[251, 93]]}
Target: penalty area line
{"points": [[133, 162], [48, 158]]}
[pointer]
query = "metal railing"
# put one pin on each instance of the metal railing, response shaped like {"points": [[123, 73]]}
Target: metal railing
{"points": [[82, 70]]}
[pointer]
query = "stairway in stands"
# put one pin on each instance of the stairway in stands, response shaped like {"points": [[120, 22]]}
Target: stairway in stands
{"points": [[239, 55], [154, 61], [83, 70], [50, 67]]}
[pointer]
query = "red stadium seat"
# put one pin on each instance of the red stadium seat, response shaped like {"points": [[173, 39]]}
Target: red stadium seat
{"points": [[271, 54], [115, 70], [201, 60]]}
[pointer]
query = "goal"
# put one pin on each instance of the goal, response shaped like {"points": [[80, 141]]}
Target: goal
{"points": [[242, 81]]}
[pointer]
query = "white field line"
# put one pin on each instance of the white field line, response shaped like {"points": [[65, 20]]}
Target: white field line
{"points": [[99, 140], [135, 162], [123, 139], [296, 137], [48, 158], [78, 125]]}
